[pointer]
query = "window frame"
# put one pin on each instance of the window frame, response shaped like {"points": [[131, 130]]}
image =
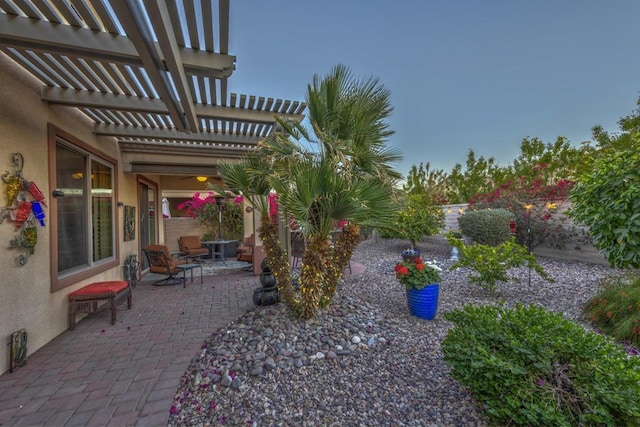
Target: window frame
{"points": [[54, 134]]}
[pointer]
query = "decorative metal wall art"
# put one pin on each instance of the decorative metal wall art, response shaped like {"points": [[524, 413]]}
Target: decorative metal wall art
{"points": [[24, 207], [18, 349], [129, 223]]}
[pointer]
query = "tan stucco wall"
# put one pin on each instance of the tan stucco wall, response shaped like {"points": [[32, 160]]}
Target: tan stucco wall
{"points": [[25, 297]]}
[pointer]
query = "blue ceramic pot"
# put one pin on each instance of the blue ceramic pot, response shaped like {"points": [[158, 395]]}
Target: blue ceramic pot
{"points": [[423, 303]]}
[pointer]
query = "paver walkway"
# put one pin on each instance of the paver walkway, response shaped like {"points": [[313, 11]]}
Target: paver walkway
{"points": [[128, 373]]}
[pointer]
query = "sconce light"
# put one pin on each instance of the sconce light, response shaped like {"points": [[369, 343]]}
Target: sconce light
{"points": [[120, 204], [57, 193], [201, 178]]}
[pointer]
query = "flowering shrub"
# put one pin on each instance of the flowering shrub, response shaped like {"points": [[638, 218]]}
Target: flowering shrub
{"points": [[533, 202], [273, 206], [417, 274], [614, 310], [206, 210]]}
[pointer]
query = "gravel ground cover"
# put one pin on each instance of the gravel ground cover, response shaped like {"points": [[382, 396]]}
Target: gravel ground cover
{"points": [[365, 361]]}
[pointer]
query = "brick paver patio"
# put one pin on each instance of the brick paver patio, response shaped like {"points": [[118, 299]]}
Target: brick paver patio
{"points": [[125, 374]]}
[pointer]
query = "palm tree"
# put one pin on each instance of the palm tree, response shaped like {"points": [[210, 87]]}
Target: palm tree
{"points": [[339, 169]]}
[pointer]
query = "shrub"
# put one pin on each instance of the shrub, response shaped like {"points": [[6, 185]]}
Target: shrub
{"points": [[616, 308], [608, 202], [492, 262], [487, 226], [528, 366]]}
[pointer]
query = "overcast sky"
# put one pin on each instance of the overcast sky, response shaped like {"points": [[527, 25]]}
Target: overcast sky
{"points": [[463, 74]]}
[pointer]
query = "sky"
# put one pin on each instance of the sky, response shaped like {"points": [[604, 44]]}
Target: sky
{"points": [[463, 74]]}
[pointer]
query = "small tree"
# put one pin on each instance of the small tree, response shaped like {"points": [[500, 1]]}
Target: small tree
{"points": [[493, 262], [417, 218]]}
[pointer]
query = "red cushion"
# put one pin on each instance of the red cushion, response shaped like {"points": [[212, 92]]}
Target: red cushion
{"points": [[100, 287]]}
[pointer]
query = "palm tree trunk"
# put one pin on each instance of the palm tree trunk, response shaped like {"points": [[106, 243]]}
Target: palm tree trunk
{"points": [[312, 276], [343, 249], [278, 261]]}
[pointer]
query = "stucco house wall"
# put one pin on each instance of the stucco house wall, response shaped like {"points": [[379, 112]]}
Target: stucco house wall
{"points": [[26, 300]]}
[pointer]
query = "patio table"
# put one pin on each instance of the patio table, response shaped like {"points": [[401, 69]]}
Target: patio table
{"points": [[190, 267], [216, 249]]}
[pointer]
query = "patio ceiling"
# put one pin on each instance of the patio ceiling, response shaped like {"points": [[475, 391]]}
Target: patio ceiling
{"points": [[151, 74]]}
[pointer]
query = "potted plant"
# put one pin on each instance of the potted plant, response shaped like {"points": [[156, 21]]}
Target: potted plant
{"points": [[422, 284]]}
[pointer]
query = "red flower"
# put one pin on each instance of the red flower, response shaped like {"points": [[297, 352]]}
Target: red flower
{"points": [[420, 266], [402, 270]]}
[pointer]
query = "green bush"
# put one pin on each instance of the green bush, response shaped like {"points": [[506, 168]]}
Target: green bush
{"points": [[608, 202], [493, 262], [487, 226], [616, 308], [528, 366]]}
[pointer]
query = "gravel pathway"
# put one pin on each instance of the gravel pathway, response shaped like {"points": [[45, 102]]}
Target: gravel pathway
{"points": [[365, 361]]}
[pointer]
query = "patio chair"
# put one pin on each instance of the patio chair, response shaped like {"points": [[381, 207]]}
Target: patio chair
{"points": [[161, 262], [297, 248], [245, 252], [192, 247]]}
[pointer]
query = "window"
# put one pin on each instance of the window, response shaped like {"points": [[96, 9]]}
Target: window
{"points": [[84, 239]]}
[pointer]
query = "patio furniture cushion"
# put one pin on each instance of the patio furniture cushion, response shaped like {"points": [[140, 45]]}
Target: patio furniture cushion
{"points": [[98, 288], [192, 247], [245, 250]]}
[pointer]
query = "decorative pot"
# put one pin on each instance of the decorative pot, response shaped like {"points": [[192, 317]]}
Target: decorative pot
{"points": [[268, 280], [257, 296], [423, 303], [264, 266], [270, 296], [410, 258], [266, 296]]}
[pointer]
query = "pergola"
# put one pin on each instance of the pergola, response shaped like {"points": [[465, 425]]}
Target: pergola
{"points": [[150, 74]]}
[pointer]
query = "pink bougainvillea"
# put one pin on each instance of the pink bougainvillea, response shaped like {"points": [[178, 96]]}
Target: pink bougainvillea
{"points": [[198, 203], [273, 206]]}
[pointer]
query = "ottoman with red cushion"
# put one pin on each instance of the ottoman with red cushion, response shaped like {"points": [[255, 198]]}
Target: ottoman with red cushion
{"points": [[96, 297]]}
